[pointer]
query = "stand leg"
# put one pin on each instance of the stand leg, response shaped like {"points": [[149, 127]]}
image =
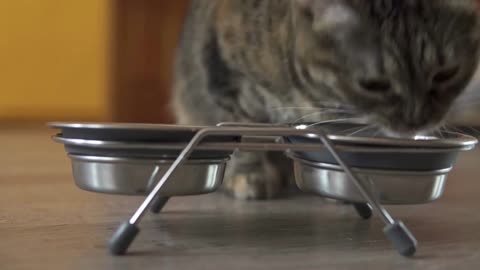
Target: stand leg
{"points": [[127, 232], [363, 209], [401, 238], [122, 238], [158, 204]]}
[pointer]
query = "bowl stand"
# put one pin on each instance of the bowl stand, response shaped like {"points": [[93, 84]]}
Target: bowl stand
{"points": [[399, 235]]}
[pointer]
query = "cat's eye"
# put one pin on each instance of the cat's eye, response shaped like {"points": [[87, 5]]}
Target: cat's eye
{"points": [[375, 85], [445, 75]]}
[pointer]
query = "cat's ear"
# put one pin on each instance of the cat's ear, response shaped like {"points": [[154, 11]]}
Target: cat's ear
{"points": [[327, 13]]}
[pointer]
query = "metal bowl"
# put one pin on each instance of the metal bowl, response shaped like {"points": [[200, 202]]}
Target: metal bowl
{"points": [[382, 153], [402, 171], [133, 132], [396, 171], [127, 176], [389, 187], [93, 139], [140, 150], [341, 133]]}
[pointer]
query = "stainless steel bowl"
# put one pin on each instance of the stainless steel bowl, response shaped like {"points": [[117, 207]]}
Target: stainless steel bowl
{"points": [[133, 132], [341, 134], [125, 176], [382, 153], [389, 187], [397, 171]]}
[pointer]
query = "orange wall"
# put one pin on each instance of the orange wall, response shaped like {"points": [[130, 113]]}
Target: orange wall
{"points": [[53, 61]]}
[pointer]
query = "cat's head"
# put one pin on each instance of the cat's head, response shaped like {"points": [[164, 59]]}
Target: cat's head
{"points": [[401, 63]]}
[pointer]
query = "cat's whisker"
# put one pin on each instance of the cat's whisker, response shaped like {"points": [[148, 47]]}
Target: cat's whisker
{"points": [[290, 117], [346, 131], [451, 129], [332, 104], [441, 131], [475, 131], [362, 130], [456, 129], [307, 116], [448, 130], [336, 106], [339, 109], [451, 132], [319, 113], [344, 120], [437, 131], [377, 133]]}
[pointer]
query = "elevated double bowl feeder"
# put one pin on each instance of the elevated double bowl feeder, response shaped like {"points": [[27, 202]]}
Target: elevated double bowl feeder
{"points": [[164, 161]]}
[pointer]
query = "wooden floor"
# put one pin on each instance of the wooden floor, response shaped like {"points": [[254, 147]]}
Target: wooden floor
{"points": [[47, 223]]}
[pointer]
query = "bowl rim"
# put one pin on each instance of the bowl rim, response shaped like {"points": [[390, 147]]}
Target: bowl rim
{"points": [[102, 144], [454, 141], [124, 126], [459, 140], [152, 161]]}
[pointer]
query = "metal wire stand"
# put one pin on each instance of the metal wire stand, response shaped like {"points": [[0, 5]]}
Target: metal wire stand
{"points": [[401, 238]]}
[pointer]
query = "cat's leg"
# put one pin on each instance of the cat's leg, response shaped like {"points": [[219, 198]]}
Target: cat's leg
{"points": [[253, 176], [249, 176]]}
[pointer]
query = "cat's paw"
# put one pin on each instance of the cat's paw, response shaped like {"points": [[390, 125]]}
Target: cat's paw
{"points": [[253, 186]]}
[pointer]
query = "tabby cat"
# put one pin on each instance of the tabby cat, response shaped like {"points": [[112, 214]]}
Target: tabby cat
{"points": [[400, 64]]}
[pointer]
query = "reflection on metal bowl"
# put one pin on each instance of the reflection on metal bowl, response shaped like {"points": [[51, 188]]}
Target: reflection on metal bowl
{"points": [[389, 187], [133, 176]]}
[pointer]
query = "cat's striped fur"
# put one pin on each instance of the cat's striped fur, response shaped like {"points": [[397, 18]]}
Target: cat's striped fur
{"points": [[401, 64]]}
